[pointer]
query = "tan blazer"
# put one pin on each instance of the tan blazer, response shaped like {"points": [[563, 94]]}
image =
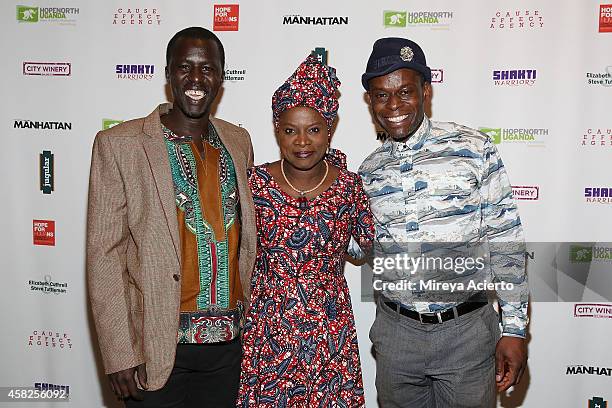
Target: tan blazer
{"points": [[133, 252]]}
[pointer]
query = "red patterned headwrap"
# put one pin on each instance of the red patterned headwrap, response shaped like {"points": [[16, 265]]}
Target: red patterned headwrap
{"points": [[313, 85]]}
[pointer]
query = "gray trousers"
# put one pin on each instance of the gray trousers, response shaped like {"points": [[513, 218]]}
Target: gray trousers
{"points": [[448, 365]]}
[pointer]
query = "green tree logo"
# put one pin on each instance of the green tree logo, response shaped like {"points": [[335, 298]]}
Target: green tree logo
{"points": [[27, 14], [394, 18]]}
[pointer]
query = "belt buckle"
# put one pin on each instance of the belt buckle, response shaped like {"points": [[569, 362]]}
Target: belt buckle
{"points": [[437, 314]]}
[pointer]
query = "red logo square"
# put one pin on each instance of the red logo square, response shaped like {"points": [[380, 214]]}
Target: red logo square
{"points": [[225, 17], [44, 232], [605, 18]]}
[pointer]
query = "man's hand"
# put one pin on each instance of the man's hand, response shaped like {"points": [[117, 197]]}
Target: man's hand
{"points": [[123, 382], [510, 361]]}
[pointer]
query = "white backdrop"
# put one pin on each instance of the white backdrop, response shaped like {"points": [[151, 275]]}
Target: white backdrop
{"points": [[560, 40]]}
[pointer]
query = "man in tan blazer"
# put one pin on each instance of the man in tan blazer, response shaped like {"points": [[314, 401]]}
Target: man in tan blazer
{"points": [[171, 240]]}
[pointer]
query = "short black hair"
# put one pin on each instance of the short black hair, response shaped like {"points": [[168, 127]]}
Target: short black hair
{"points": [[198, 33]]}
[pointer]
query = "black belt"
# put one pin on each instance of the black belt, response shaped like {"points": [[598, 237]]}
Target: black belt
{"points": [[436, 317]]}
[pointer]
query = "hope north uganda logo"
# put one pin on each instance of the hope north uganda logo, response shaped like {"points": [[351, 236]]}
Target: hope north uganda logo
{"points": [[60, 15], [439, 20], [530, 136], [109, 123]]}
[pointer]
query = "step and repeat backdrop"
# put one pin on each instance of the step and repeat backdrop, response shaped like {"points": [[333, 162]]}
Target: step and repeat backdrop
{"points": [[535, 76]]}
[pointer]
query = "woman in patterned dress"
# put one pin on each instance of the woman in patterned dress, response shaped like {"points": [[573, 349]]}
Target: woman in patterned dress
{"points": [[300, 342]]}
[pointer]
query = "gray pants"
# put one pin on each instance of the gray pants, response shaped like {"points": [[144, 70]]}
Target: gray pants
{"points": [[448, 365]]}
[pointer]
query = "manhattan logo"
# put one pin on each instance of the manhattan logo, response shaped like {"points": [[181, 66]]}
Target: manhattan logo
{"points": [[46, 172], [531, 136], [321, 54], [597, 138], [226, 17], [439, 20], [600, 78], [61, 15], [135, 72], [40, 125], [517, 20], [525, 192], [47, 68], [302, 20], [590, 254], [514, 77], [137, 16], [582, 369], [601, 195], [605, 18]]}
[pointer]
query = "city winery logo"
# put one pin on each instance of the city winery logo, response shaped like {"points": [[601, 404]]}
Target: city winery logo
{"points": [[601, 195], [43, 232], [137, 16], [109, 123], [437, 76], [530, 136], [47, 68], [594, 310], [439, 20], [48, 286], [60, 15], [605, 18], [135, 72], [41, 125], [583, 369], [517, 20], [46, 172], [598, 402], [600, 78], [293, 19], [49, 339], [514, 77], [600, 137], [45, 386], [321, 54], [226, 17], [589, 254], [531, 193]]}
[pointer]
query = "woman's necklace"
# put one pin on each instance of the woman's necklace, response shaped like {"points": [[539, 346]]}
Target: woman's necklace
{"points": [[302, 193]]}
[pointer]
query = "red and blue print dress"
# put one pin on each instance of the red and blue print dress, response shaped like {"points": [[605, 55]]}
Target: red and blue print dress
{"points": [[300, 343]]}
